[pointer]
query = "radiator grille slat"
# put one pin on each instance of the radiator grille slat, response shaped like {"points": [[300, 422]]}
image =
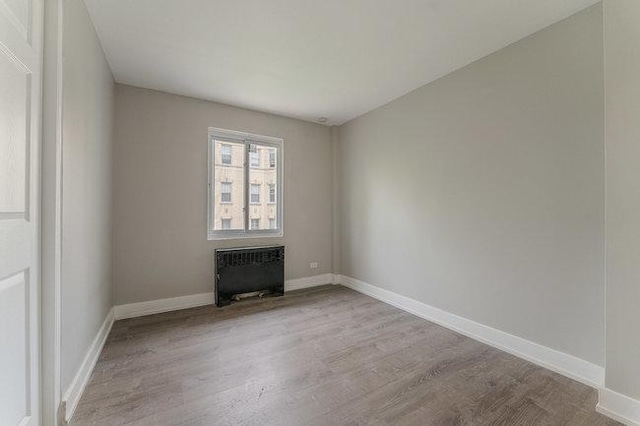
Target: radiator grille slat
{"points": [[226, 259]]}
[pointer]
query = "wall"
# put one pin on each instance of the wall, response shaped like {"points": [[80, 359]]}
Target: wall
{"points": [[160, 246], [86, 188], [482, 193], [622, 122]]}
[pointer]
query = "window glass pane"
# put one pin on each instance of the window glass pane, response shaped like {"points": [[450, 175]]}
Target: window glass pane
{"points": [[255, 193], [228, 196], [272, 193], [254, 158], [226, 154], [263, 188], [255, 224], [272, 157]]}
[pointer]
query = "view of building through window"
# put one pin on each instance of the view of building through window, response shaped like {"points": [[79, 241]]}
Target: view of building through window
{"points": [[229, 190]]}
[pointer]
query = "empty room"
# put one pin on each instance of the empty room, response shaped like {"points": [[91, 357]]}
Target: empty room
{"points": [[295, 212]]}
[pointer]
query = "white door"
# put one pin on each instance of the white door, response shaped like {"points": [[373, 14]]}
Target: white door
{"points": [[20, 110]]}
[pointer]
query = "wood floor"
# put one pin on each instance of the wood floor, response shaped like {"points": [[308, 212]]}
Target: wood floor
{"points": [[325, 356]]}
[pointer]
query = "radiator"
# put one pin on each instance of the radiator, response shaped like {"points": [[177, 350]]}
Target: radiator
{"points": [[247, 270]]}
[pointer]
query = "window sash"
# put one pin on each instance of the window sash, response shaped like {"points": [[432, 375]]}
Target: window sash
{"points": [[254, 194], [225, 154], [272, 158], [272, 193], [225, 192], [255, 159], [275, 146]]}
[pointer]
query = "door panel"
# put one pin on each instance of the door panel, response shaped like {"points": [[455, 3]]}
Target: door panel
{"points": [[13, 128], [20, 102], [14, 356]]}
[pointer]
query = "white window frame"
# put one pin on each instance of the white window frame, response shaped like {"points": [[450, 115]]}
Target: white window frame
{"points": [[247, 139]]}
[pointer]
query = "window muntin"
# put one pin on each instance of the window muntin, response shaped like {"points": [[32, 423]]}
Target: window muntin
{"points": [[244, 185]]}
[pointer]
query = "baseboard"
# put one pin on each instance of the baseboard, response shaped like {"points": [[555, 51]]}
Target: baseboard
{"points": [[619, 407], [140, 309], [314, 281], [133, 310], [560, 362], [72, 396]]}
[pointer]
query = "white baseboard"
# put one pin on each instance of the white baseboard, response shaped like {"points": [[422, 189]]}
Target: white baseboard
{"points": [[133, 310], [72, 395], [619, 407], [560, 362], [314, 281], [140, 309]]}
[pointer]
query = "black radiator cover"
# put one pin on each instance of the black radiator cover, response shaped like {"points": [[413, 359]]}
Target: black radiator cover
{"points": [[246, 270]]}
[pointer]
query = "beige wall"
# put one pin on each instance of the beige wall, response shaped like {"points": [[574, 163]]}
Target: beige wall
{"points": [[482, 193], [622, 122], [160, 192], [86, 188]]}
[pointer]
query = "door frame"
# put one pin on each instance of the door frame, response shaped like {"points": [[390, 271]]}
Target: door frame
{"points": [[52, 411]]}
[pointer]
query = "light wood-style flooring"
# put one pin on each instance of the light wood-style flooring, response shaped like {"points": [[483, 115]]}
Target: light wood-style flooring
{"points": [[323, 356]]}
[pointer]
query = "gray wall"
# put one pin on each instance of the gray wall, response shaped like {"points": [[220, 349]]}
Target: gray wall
{"points": [[482, 193], [160, 183], [622, 106], [86, 188]]}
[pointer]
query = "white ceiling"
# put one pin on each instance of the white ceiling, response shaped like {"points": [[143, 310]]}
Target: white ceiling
{"points": [[308, 58]]}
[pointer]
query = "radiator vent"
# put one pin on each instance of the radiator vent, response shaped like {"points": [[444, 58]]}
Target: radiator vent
{"points": [[236, 258], [248, 270]]}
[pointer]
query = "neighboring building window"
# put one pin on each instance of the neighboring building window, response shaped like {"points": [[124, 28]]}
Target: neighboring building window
{"points": [[225, 154], [272, 158], [255, 194], [241, 159], [255, 159], [272, 192], [225, 192]]}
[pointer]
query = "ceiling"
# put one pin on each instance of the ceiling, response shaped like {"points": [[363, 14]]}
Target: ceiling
{"points": [[308, 58]]}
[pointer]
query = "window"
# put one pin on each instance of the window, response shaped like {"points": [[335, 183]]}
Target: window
{"points": [[272, 158], [255, 158], [225, 154], [272, 193], [237, 175], [255, 194], [225, 192]]}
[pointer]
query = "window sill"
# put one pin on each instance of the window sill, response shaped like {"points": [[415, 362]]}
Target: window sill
{"points": [[225, 235]]}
